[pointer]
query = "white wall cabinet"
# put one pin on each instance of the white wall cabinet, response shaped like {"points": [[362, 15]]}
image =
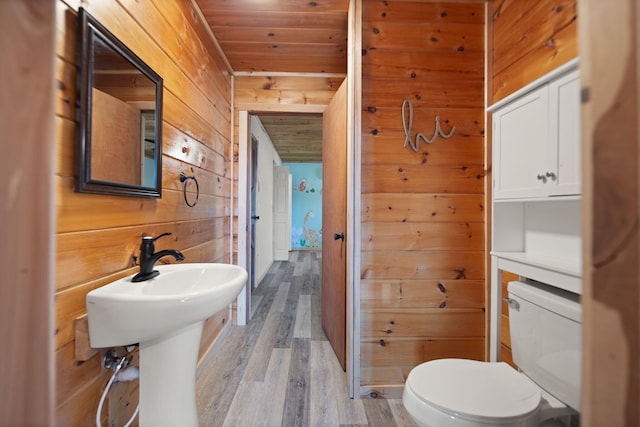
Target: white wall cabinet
{"points": [[536, 209], [565, 136], [536, 140]]}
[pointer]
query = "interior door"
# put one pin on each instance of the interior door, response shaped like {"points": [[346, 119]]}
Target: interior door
{"points": [[281, 213], [334, 205], [254, 216]]}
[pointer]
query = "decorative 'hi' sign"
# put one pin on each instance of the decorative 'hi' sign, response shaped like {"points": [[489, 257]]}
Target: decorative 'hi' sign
{"points": [[408, 121]]}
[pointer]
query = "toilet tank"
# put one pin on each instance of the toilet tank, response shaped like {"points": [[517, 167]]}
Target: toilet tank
{"points": [[546, 337]]}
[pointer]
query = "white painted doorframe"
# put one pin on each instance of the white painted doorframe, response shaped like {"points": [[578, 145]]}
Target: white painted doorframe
{"points": [[244, 133], [354, 176]]}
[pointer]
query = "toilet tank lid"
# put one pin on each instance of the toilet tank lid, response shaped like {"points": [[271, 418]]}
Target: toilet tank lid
{"points": [[473, 388], [551, 298]]}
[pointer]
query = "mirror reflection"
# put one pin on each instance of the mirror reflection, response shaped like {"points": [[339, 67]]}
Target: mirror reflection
{"points": [[120, 145]]}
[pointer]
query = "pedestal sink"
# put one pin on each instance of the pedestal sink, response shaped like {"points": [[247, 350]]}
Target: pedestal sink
{"points": [[165, 315]]}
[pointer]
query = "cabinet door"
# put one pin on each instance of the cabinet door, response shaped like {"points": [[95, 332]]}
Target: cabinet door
{"points": [[521, 145], [564, 113]]}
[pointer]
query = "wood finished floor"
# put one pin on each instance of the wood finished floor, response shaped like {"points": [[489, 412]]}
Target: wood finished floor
{"points": [[280, 370]]}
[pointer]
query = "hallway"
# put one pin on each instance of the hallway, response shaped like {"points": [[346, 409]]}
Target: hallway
{"points": [[280, 370]]}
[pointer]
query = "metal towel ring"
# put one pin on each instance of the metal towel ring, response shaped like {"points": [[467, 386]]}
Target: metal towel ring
{"points": [[183, 179]]}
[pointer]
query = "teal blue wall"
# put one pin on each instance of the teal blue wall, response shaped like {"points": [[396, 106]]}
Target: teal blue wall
{"points": [[306, 202]]}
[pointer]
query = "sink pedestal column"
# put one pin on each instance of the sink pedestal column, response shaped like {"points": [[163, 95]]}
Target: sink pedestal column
{"points": [[168, 379]]}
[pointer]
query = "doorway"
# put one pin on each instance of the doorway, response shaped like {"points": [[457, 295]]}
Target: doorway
{"points": [[244, 126], [244, 194]]}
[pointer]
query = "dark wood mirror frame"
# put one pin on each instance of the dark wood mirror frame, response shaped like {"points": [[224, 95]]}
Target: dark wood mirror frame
{"points": [[90, 32]]}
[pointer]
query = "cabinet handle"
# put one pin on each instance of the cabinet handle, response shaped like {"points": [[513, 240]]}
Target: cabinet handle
{"points": [[551, 175], [513, 304], [542, 178]]}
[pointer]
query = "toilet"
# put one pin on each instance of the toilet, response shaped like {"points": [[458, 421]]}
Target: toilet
{"points": [[546, 342]]}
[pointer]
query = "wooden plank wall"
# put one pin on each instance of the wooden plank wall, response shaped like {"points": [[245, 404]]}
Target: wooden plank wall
{"points": [[98, 235], [423, 258], [505, 336], [530, 38]]}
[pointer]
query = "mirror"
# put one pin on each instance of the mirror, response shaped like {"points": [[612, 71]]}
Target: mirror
{"points": [[119, 113]]}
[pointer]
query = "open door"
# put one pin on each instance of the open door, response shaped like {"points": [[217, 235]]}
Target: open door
{"points": [[253, 193], [334, 218], [281, 213]]}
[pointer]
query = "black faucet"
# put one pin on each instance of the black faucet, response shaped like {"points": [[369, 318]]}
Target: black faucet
{"points": [[148, 259]]}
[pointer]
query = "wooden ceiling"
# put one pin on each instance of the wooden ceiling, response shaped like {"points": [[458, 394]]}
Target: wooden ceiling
{"points": [[300, 36], [283, 36], [296, 137]]}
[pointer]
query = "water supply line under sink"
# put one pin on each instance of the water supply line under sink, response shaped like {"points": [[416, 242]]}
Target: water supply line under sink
{"points": [[122, 371]]}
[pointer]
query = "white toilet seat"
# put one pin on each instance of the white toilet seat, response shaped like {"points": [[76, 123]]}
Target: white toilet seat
{"points": [[464, 392]]}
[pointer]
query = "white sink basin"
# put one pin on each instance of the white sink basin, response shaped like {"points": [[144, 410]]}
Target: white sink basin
{"points": [[124, 312], [165, 315]]}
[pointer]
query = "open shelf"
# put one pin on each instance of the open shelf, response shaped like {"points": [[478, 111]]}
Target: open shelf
{"points": [[562, 273], [544, 199]]}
